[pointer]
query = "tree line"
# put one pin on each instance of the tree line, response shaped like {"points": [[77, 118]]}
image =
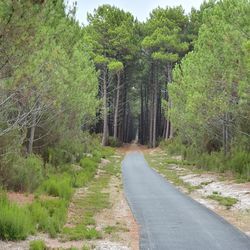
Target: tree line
{"points": [[176, 77]]}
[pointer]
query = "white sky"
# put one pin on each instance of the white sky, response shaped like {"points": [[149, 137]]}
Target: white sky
{"points": [[139, 8]]}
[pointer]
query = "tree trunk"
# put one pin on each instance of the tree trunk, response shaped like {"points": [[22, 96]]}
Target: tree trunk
{"points": [[225, 134], [155, 109], [32, 134], [169, 130], [105, 135], [151, 122], [117, 106], [142, 124]]}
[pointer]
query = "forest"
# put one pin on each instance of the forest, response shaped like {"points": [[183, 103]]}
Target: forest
{"points": [[179, 81]]}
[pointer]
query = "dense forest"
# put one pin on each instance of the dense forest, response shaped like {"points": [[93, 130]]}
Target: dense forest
{"points": [[177, 80]]}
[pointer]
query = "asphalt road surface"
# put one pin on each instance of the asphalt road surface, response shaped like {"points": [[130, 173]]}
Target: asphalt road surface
{"points": [[169, 219]]}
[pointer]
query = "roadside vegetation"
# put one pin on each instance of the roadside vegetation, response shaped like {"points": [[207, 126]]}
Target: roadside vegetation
{"points": [[225, 201], [48, 212], [174, 169], [66, 89], [163, 166], [236, 163]]}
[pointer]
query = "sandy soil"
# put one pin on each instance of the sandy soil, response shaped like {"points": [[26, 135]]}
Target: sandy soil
{"points": [[210, 184], [20, 198], [120, 217]]}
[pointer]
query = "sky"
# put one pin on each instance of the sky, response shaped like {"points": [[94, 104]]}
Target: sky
{"points": [[139, 8]]}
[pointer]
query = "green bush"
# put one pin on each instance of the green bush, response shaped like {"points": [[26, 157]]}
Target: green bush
{"points": [[83, 177], [49, 215], [239, 163], [24, 174], [88, 163], [15, 222], [71, 149], [214, 161], [173, 146], [114, 143], [81, 232], [37, 245], [58, 186], [107, 152]]}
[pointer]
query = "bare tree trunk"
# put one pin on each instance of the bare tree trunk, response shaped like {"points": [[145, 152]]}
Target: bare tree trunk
{"points": [[169, 131], [225, 134], [155, 97], [142, 124], [32, 133], [117, 106], [105, 135], [151, 117]]}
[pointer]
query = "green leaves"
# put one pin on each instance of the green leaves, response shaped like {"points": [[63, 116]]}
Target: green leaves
{"points": [[211, 81], [165, 57], [115, 66], [48, 71], [165, 34]]}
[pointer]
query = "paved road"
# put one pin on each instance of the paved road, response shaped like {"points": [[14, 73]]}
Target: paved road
{"points": [[171, 220]]}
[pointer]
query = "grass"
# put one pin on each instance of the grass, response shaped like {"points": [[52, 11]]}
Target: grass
{"points": [[115, 229], [48, 211], [178, 162], [226, 201], [37, 245], [58, 186], [93, 202], [81, 232], [49, 215], [169, 174], [15, 221], [237, 162]]}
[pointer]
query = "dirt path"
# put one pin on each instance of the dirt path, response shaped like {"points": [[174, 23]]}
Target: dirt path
{"points": [[118, 219]]}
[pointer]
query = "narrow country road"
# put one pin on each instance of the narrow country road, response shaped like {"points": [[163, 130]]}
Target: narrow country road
{"points": [[169, 219]]}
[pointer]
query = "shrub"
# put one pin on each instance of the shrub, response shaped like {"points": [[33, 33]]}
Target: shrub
{"points": [[81, 232], [58, 186], [214, 161], [173, 146], [88, 163], [37, 245], [225, 201], [24, 174], [239, 163], [15, 222], [69, 150], [49, 215], [114, 143], [40, 216], [106, 152]]}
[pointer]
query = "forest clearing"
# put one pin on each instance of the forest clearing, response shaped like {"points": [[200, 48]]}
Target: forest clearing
{"points": [[122, 129]]}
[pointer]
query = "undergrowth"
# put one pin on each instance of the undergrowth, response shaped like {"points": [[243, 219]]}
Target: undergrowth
{"points": [[171, 175], [55, 187], [15, 221], [226, 201], [37, 245], [237, 162]]}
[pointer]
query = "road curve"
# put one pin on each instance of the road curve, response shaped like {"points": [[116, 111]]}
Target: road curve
{"points": [[169, 219]]}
